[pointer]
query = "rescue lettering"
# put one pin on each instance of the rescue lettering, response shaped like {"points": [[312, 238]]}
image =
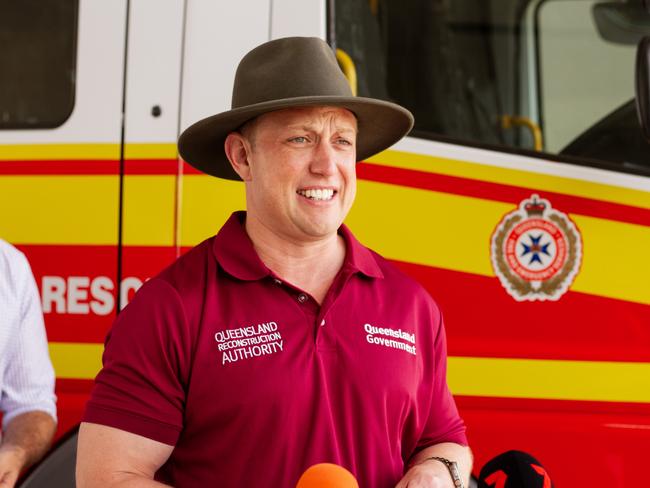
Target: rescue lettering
{"points": [[81, 295]]}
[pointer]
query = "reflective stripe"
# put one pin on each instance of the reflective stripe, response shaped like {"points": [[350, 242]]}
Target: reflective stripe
{"points": [[516, 177], [550, 379], [74, 360], [83, 210]]}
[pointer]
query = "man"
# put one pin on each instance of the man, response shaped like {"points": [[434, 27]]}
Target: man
{"points": [[281, 342], [27, 400]]}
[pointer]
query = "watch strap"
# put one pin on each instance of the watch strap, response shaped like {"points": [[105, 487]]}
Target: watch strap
{"points": [[452, 466]]}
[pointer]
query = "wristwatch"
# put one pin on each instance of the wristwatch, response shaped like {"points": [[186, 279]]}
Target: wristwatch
{"points": [[452, 466]]}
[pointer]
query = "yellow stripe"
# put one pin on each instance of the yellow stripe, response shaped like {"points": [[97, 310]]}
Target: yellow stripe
{"points": [[59, 209], [76, 361], [38, 152], [453, 232], [150, 151], [515, 177], [546, 379], [207, 204], [490, 377], [613, 263], [84, 210], [149, 210], [425, 227], [108, 151]]}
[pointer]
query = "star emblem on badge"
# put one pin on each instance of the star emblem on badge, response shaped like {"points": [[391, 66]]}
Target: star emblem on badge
{"points": [[536, 249]]}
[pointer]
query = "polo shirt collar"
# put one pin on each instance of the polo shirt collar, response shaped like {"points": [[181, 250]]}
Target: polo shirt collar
{"points": [[235, 253], [358, 257]]}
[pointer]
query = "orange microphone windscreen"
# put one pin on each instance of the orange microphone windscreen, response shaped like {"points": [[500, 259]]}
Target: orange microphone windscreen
{"points": [[326, 475]]}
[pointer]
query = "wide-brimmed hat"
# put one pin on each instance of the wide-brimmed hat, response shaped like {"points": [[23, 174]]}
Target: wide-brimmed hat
{"points": [[286, 73]]}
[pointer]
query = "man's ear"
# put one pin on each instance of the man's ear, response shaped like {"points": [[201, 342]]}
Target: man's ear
{"points": [[238, 151]]}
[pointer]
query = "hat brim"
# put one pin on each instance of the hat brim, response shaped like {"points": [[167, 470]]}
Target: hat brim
{"points": [[380, 125]]}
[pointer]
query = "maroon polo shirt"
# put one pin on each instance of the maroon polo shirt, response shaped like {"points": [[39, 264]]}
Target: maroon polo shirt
{"points": [[252, 381]]}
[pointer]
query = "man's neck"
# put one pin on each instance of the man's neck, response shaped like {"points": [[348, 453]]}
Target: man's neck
{"points": [[309, 265]]}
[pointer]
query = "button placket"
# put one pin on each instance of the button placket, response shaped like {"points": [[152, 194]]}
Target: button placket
{"points": [[325, 336]]}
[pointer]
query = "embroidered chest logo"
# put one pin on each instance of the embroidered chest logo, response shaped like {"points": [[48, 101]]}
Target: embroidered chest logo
{"points": [[249, 342], [536, 251], [394, 338]]}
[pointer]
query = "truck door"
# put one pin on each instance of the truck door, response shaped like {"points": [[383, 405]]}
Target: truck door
{"points": [[150, 164], [62, 65]]}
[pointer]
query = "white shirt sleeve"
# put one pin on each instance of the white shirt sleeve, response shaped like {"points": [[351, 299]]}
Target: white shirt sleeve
{"points": [[26, 373]]}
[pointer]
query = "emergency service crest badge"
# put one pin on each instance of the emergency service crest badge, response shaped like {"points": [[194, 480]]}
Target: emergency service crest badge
{"points": [[536, 251]]}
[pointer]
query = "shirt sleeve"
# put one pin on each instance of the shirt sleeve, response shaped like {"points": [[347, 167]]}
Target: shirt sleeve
{"points": [[444, 423], [28, 381], [141, 387]]}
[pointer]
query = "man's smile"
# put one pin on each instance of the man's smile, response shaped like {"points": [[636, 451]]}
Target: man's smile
{"points": [[318, 194]]}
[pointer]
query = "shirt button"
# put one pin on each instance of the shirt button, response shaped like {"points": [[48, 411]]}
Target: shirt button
{"points": [[302, 298], [322, 324]]}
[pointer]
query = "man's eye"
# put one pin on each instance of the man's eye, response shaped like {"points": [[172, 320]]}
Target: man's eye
{"points": [[299, 139], [344, 142]]}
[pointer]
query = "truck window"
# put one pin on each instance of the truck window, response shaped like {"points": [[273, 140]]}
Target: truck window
{"points": [[550, 77], [37, 62]]}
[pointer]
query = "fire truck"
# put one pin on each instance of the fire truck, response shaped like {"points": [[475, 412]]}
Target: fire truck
{"points": [[520, 200]]}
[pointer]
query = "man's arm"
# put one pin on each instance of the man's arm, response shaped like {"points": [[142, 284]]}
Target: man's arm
{"points": [[113, 458], [432, 473], [27, 398], [25, 439]]}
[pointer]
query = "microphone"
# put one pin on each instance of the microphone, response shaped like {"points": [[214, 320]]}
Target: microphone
{"points": [[326, 475], [514, 469]]}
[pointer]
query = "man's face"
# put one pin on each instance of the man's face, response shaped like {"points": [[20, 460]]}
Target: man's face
{"points": [[302, 171]]}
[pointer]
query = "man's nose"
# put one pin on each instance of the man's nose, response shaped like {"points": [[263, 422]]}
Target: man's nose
{"points": [[323, 159]]}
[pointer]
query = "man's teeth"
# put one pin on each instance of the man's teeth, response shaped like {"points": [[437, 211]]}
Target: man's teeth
{"points": [[319, 194]]}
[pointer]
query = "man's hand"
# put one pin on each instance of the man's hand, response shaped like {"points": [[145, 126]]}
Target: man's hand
{"points": [[25, 440], [12, 460], [428, 474]]}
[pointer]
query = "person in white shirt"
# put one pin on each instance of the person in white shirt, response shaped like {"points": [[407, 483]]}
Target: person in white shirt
{"points": [[27, 400]]}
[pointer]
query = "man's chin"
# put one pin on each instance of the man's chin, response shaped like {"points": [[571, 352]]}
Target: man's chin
{"points": [[319, 230]]}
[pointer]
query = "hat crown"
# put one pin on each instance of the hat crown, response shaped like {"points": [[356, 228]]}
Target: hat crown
{"points": [[285, 68]]}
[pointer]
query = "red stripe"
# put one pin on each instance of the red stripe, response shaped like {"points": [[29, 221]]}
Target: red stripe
{"points": [[188, 169], [482, 320], [90, 167], [57, 167], [499, 192], [534, 404], [69, 385], [151, 167]]}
